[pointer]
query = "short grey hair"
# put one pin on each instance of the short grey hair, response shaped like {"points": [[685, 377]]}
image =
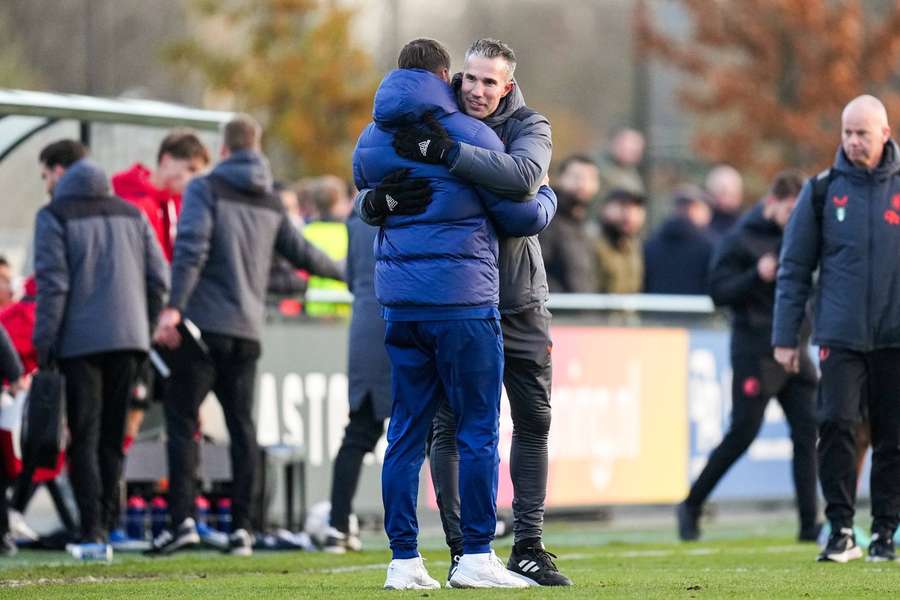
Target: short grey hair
{"points": [[491, 48]]}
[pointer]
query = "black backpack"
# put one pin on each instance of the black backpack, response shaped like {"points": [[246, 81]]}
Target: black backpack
{"points": [[820, 185]]}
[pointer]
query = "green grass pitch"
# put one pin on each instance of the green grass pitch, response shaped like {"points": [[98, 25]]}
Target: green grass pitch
{"points": [[756, 558]]}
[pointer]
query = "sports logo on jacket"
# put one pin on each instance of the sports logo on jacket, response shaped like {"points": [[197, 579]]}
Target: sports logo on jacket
{"points": [[892, 215], [840, 205]]}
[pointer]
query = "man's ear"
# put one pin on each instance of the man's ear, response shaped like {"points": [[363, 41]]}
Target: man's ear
{"points": [[444, 74], [509, 87], [886, 131]]}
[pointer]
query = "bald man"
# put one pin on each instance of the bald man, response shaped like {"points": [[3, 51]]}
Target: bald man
{"points": [[726, 187], [847, 224]]}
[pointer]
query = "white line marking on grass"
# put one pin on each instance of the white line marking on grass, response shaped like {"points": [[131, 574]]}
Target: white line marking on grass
{"points": [[17, 583], [701, 551], [350, 569]]}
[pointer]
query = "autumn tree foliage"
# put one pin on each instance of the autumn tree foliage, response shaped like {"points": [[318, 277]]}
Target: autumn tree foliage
{"points": [[295, 64], [768, 78]]}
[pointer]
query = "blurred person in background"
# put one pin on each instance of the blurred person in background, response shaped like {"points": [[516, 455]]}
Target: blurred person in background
{"points": [[619, 252], [56, 158], [567, 245], [329, 232], [677, 255], [101, 280], [619, 162], [157, 192], [6, 283], [742, 278], [284, 279], [369, 373], [726, 190], [847, 226], [18, 319], [13, 378], [231, 223]]}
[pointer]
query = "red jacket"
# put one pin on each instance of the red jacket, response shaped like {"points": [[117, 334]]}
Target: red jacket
{"points": [[162, 207], [18, 319]]}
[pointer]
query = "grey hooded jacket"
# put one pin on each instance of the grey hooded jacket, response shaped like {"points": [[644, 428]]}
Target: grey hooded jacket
{"points": [[517, 173], [230, 224], [101, 276]]}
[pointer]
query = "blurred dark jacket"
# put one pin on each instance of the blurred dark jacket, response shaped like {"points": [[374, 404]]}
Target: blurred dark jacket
{"points": [[101, 275], [676, 258], [368, 367], [568, 249]]}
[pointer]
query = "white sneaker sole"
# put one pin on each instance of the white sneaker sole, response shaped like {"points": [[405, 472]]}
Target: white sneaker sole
{"points": [[334, 550], [843, 557], [181, 543], [241, 551], [463, 582], [412, 586]]}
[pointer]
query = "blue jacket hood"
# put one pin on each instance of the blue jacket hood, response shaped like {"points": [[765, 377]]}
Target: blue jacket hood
{"points": [[404, 95], [889, 165], [82, 178], [246, 170]]}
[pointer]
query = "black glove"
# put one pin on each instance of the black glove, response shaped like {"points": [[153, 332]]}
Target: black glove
{"points": [[397, 195], [431, 144]]}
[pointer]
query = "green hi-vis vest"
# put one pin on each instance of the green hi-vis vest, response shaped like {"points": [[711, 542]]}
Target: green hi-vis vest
{"points": [[331, 238]]}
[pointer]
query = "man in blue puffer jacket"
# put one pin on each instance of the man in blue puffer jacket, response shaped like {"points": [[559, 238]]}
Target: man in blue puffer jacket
{"points": [[437, 278], [847, 223]]}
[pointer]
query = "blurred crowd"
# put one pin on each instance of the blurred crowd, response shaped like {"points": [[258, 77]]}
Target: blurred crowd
{"points": [[599, 243]]}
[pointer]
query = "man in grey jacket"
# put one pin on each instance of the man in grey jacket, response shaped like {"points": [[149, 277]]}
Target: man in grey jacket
{"points": [[487, 91], [101, 281], [231, 222]]}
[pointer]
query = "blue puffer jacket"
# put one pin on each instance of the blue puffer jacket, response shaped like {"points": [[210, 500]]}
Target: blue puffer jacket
{"points": [[443, 263], [856, 247]]}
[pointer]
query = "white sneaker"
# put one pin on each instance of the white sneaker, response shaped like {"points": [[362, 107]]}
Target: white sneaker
{"points": [[484, 571], [409, 574], [19, 528]]}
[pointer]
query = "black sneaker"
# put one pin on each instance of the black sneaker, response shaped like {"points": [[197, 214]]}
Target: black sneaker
{"points": [[536, 566], [881, 548], [688, 522], [8, 545], [240, 543], [841, 547], [169, 541], [454, 565]]}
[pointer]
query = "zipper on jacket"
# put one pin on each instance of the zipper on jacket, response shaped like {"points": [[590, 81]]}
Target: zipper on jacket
{"points": [[871, 210]]}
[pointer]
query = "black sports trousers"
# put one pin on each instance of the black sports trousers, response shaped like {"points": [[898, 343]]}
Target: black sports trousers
{"points": [[755, 380], [849, 379], [360, 437], [230, 372], [527, 374], [98, 387]]}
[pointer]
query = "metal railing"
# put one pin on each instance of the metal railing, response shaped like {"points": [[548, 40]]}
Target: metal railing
{"points": [[661, 303]]}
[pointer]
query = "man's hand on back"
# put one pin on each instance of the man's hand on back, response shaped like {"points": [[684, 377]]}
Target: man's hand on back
{"points": [[397, 195], [430, 144]]}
